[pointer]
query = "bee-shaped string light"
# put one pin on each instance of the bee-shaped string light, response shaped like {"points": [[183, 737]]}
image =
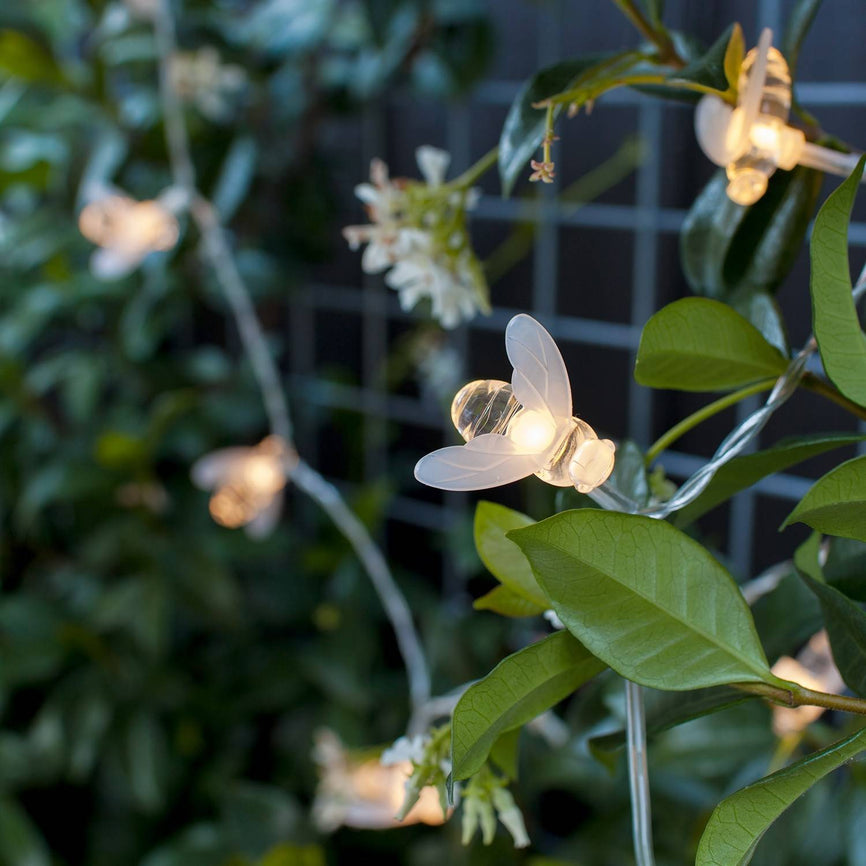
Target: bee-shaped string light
{"points": [[520, 429]]}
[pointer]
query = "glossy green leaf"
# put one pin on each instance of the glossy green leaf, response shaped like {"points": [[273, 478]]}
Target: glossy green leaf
{"points": [[845, 567], [505, 602], [786, 618], [836, 502], [834, 316], [728, 250], [519, 688], [743, 472], [807, 555], [799, 23], [737, 824], [524, 126], [501, 556], [646, 599], [709, 69], [20, 841], [763, 311], [846, 627], [505, 752], [696, 344]]}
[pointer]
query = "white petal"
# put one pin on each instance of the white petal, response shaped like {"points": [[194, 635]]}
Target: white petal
{"points": [[433, 163], [376, 258]]}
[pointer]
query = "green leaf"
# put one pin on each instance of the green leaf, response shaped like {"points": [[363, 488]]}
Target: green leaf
{"points": [[523, 130], [743, 472], [806, 557], [519, 688], [709, 71], [696, 344], [728, 250], [505, 602], [665, 710], [763, 311], [846, 567], [24, 58], [834, 316], [786, 618], [739, 821], [836, 503], [506, 751], [502, 557], [799, 22], [846, 628], [20, 841], [734, 54], [646, 599]]}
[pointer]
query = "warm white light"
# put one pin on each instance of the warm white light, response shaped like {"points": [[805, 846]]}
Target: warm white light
{"points": [[246, 483], [814, 668], [765, 136], [361, 793], [532, 431]]}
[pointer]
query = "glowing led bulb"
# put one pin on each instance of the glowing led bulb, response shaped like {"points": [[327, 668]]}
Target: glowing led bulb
{"points": [[356, 791], [520, 429], [247, 484], [126, 230], [752, 140]]}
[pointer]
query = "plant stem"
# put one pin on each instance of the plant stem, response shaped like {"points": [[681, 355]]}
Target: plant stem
{"points": [[683, 427], [792, 694], [825, 389], [661, 40], [475, 171]]}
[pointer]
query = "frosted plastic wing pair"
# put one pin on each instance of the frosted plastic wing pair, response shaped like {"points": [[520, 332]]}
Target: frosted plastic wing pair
{"points": [[752, 139], [541, 436]]}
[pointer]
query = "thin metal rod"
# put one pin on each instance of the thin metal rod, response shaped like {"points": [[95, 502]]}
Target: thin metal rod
{"points": [[217, 253]]}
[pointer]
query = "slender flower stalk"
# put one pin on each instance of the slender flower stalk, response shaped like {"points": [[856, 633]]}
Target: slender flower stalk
{"points": [[217, 253]]}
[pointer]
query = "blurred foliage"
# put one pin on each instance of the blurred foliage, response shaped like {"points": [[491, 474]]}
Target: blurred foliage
{"points": [[161, 677]]}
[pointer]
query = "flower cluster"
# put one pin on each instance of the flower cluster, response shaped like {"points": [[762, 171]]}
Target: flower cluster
{"points": [[418, 230], [203, 80], [484, 797]]}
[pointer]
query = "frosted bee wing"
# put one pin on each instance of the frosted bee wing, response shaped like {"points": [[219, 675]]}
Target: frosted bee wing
{"points": [[264, 523], [750, 100], [540, 380], [485, 461], [211, 470]]}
